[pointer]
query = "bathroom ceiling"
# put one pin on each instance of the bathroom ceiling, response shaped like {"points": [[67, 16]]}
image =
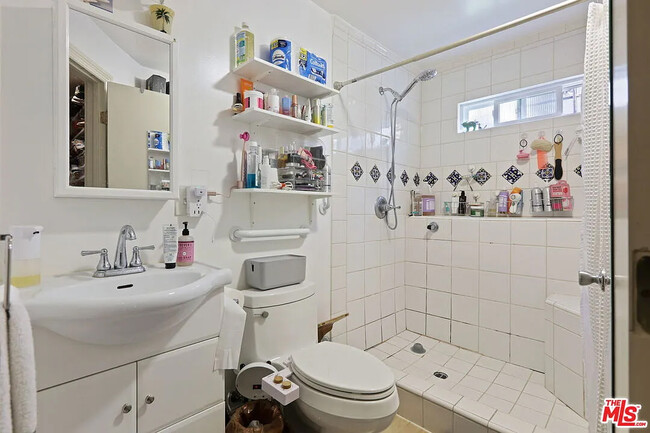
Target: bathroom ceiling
{"points": [[411, 27]]}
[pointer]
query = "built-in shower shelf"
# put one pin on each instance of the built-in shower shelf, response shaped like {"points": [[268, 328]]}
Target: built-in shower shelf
{"points": [[269, 119], [265, 72]]}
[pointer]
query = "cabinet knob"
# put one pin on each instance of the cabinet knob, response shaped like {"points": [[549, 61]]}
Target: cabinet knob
{"points": [[126, 408], [149, 399]]}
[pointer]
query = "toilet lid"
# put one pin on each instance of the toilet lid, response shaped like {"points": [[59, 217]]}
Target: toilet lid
{"points": [[343, 368]]}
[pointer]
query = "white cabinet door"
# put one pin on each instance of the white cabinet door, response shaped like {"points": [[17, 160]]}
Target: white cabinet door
{"points": [[211, 420], [177, 384], [104, 402]]}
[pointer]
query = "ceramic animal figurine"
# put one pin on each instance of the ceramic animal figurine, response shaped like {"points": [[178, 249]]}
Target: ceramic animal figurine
{"points": [[474, 124]]}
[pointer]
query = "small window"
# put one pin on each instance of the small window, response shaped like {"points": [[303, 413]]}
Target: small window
{"points": [[554, 99]]}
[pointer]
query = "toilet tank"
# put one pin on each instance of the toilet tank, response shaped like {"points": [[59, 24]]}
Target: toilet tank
{"points": [[278, 322]]}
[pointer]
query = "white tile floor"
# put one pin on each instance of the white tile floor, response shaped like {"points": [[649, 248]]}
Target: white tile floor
{"points": [[503, 396]]}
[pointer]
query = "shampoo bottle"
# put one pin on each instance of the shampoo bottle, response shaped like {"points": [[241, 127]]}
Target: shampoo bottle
{"points": [[185, 248], [454, 204], [267, 174], [462, 203], [245, 45]]}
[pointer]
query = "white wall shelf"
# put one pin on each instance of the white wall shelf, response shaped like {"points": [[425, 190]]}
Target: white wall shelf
{"points": [[269, 119], [157, 150], [256, 191], [157, 170], [265, 72]]}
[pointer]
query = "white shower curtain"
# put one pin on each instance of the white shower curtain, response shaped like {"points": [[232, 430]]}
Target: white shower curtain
{"points": [[596, 232]]}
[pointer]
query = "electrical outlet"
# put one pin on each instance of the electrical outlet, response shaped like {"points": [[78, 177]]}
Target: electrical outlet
{"points": [[196, 197]]}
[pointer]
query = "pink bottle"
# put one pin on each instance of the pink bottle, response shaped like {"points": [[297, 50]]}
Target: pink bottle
{"points": [[185, 255]]}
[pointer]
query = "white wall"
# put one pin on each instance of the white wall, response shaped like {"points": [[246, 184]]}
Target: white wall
{"points": [[208, 139], [367, 257]]}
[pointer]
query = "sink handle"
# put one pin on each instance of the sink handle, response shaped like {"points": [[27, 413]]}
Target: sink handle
{"points": [[135, 259], [104, 264]]}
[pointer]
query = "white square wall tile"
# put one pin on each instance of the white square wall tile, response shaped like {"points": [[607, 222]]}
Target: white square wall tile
{"points": [[494, 315], [464, 282], [495, 232], [465, 229], [528, 291], [415, 250], [494, 286], [400, 321], [357, 338], [527, 322], [478, 76], [464, 309], [465, 255], [438, 328], [416, 321], [569, 388], [416, 298], [506, 68], [464, 335], [439, 303], [528, 232], [495, 258], [494, 344], [527, 353], [388, 329], [564, 234], [387, 300], [567, 349], [439, 278], [415, 274], [355, 285], [439, 252], [372, 308], [356, 311], [528, 261], [355, 257], [563, 263]]}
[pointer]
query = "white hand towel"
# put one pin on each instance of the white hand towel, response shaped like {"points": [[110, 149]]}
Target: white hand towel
{"points": [[5, 396], [22, 369], [231, 335]]}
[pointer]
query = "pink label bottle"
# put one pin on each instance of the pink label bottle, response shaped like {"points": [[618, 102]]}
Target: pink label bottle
{"points": [[185, 255]]}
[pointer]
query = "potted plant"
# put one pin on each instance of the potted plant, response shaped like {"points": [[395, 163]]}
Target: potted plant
{"points": [[161, 17]]}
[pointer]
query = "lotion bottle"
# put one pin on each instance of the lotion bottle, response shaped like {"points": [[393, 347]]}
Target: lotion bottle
{"points": [[185, 248]]}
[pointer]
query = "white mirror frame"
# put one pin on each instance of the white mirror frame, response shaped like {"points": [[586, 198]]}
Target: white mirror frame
{"points": [[61, 106]]}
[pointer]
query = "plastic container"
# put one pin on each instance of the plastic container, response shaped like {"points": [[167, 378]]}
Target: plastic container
{"points": [[245, 45], [273, 101], [253, 165], [428, 205], [253, 99], [266, 273], [26, 256]]}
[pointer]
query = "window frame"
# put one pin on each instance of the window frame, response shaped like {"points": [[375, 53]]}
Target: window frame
{"points": [[520, 95]]}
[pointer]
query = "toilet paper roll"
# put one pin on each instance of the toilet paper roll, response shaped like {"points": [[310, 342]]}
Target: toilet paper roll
{"points": [[231, 335]]}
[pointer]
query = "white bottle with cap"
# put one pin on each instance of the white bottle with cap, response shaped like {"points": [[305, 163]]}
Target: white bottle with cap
{"points": [[267, 174], [26, 255]]}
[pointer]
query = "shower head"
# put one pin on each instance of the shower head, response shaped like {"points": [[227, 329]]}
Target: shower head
{"points": [[425, 75]]}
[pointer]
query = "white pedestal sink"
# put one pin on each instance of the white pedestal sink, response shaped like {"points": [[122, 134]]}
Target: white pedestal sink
{"points": [[124, 309]]}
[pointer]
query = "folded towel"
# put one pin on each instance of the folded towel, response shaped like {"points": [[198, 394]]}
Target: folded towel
{"points": [[5, 396], [231, 335], [22, 368]]}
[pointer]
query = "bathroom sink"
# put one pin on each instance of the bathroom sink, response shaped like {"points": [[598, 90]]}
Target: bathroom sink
{"points": [[123, 309]]}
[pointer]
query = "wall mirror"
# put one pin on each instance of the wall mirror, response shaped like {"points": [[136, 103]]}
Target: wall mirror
{"points": [[116, 89]]}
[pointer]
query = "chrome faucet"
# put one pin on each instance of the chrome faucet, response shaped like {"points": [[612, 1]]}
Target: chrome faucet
{"points": [[121, 259], [121, 265]]}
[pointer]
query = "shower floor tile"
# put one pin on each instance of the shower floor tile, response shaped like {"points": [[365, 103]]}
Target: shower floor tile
{"points": [[476, 386]]}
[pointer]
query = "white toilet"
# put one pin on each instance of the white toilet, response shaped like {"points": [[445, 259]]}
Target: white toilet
{"points": [[342, 389]]}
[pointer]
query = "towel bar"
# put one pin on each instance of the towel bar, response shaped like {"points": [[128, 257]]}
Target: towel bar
{"points": [[9, 239], [241, 235]]}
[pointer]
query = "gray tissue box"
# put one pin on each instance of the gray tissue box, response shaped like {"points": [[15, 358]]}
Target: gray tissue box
{"points": [[266, 273]]}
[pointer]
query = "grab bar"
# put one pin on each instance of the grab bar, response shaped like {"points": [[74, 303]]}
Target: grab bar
{"points": [[247, 235], [10, 245]]}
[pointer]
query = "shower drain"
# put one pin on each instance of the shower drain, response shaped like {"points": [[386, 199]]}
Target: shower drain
{"points": [[441, 375]]}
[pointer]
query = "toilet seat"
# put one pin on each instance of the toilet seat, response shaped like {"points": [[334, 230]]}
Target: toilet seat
{"points": [[343, 371]]}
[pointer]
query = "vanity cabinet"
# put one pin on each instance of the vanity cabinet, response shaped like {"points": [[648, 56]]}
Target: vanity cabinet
{"points": [[175, 392]]}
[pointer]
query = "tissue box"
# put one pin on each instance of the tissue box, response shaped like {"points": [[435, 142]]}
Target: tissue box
{"points": [[266, 273]]}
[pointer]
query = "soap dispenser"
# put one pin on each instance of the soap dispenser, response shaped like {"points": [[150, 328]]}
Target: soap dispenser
{"points": [[185, 248]]}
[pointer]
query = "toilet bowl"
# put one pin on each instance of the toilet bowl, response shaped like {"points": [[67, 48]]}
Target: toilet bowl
{"points": [[342, 389]]}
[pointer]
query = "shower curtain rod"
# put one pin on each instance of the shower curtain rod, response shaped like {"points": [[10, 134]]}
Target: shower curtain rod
{"points": [[542, 13]]}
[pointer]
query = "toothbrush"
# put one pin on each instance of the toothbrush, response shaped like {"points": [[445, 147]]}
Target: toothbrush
{"points": [[244, 136]]}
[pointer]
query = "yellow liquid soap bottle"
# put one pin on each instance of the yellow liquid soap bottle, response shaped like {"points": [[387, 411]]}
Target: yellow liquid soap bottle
{"points": [[26, 256]]}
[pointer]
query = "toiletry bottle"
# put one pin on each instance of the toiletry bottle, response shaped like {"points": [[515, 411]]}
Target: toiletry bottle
{"points": [[26, 255], [327, 176], [323, 115], [170, 245], [286, 106], [414, 208], [295, 108], [185, 248], [245, 45], [266, 174], [502, 204], [253, 165], [274, 101], [306, 113], [315, 111], [462, 203], [454, 204]]}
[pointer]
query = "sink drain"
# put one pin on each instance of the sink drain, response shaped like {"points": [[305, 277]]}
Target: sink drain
{"points": [[418, 348], [441, 375]]}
